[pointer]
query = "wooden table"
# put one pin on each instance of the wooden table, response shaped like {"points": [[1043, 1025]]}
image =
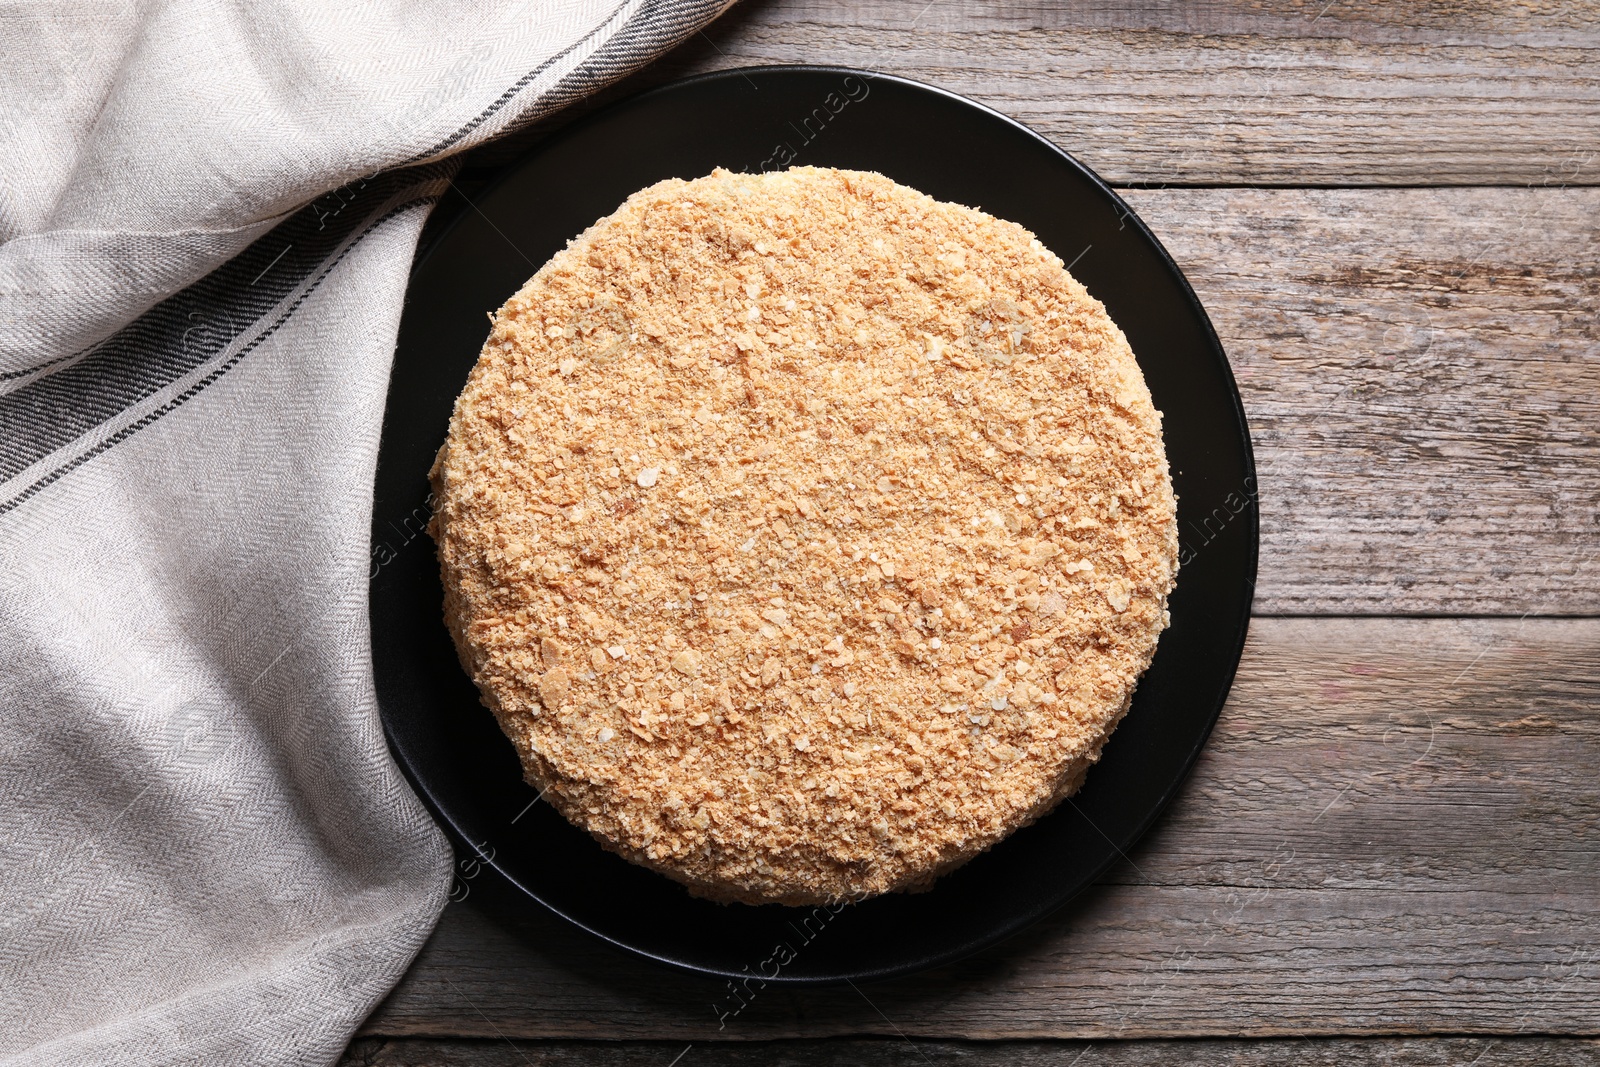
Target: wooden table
{"points": [[1390, 849]]}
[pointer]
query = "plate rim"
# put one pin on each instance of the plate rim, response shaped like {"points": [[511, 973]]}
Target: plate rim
{"points": [[1021, 919]]}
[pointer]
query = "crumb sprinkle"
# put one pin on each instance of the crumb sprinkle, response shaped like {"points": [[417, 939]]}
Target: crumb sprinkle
{"points": [[805, 534]]}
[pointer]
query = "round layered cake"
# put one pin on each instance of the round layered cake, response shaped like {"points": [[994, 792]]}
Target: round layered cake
{"points": [[805, 534]]}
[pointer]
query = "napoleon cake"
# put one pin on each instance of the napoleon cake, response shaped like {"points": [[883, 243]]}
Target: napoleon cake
{"points": [[806, 535]]}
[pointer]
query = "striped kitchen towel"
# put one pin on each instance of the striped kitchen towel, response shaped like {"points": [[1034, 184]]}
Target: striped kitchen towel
{"points": [[208, 211]]}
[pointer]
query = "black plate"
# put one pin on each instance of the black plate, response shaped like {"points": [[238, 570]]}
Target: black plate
{"points": [[954, 150]]}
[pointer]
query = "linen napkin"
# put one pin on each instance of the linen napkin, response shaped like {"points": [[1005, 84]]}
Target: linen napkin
{"points": [[208, 212]]}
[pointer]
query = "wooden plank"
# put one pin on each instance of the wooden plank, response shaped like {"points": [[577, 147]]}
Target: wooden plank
{"points": [[1394, 829], [1421, 369], [1230, 91], [1334, 1052]]}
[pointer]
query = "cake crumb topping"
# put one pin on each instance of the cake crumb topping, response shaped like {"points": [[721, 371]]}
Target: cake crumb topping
{"points": [[805, 534]]}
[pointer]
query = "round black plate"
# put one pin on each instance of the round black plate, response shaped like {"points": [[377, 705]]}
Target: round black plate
{"points": [[954, 150]]}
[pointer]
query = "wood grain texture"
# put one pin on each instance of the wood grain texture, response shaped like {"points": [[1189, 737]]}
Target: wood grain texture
{"points": [[1421, 371], [895, 1052], [1394, 829], [1236, 91]]}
